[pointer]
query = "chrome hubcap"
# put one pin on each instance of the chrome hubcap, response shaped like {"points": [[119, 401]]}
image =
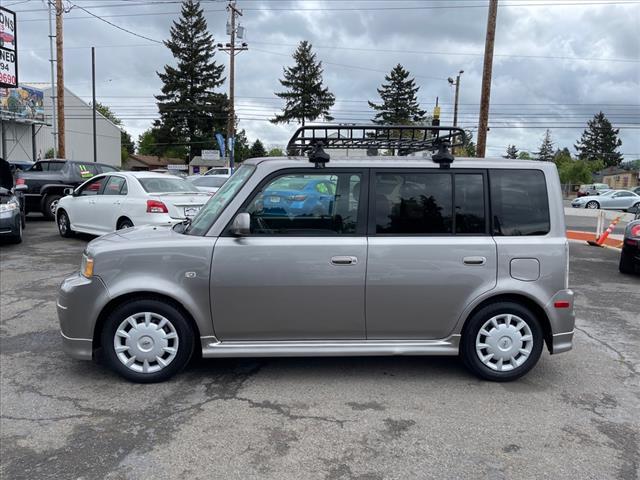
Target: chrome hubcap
{"points": [[504, 342], [53, 207], [146, 342], [62, 223], [592, 205]]}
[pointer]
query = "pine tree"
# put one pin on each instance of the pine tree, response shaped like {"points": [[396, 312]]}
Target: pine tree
{"points": [[257, 150], [241, 147], [190, 111], [306, 99], [600, 141], [512, 152], [545, 154], [399, 100]]}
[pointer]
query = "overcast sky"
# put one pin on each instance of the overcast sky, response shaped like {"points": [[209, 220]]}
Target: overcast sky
{"points": [[556, 64]]}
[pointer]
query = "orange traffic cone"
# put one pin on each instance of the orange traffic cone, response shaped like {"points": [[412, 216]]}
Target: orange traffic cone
{"points": [[600, 241]]}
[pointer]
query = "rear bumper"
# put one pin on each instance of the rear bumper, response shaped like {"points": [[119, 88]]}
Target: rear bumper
{"points": [[561, 342], [562, 321]]}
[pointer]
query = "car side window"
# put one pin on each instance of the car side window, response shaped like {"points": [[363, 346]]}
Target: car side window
{"points": [[624, 194], [294, 204], [94, 187], [114, 186], [413, 203], [85, 171], [106, 168], [519, 202], [469, 203]]}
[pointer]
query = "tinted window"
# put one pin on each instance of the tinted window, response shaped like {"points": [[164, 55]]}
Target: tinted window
{"points": [[413, 203], [93, 187], [519, 202], [114, 186], [85, 170], [166, 185], [307, 204], [469, 201], [47, 166], [106, 168]]}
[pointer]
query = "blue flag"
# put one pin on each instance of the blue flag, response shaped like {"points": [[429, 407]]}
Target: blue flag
{"points": [[220, 140]]}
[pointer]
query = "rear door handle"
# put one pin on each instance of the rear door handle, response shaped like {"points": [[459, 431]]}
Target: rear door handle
{"points": [[474, 260], [344, 260]]}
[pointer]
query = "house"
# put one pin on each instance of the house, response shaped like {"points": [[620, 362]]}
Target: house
{"points": [[622, 179], [149, 162], [200, 165]]}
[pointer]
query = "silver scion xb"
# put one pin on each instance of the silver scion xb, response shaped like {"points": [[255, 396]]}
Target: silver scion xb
{"points": [[353, 255]]}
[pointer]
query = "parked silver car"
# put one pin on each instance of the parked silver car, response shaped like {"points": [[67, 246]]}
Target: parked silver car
{"points": [[610, 200], [373, 256]]}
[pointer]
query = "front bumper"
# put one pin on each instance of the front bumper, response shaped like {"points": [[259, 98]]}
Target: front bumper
{"points": [[9, 222], [80, 301]]}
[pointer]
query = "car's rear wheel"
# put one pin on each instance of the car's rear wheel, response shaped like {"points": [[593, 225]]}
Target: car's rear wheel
{"points": [[626, 263], [147, 340], [50, 205], [593, 205], [64, 225], [502, 342], [124, 223]]}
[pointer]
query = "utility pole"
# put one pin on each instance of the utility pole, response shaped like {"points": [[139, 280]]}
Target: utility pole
{"points": [[93, 102], [53, 82], [486, 78], [455, 102], [60, 78], [233, 50]]}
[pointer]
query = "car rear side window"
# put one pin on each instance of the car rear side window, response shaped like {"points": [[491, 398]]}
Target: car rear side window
{"points": [[469, 203], [519, 202], [413, 203], [114, 186]]}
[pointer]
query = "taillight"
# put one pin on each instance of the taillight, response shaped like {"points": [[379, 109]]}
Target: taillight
{"points": [[20, 181], [635, 231], [298, 198], [156, 206]]}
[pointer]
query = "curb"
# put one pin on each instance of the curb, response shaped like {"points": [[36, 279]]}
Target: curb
{"points": [[586, 236]]}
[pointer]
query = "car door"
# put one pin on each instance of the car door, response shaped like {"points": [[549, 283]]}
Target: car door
{"points": [[300, 274], [430, 251], [108, 205], [82, 214], [622, 200]]}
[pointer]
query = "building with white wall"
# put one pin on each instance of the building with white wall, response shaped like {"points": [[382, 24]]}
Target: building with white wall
{"points": [[27, 129]]}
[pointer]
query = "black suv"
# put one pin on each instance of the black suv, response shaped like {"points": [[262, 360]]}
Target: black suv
{"points": [[47, 180]]}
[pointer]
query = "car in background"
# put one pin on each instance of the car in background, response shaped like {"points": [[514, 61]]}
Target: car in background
{"points": [[609, 200], [47, 180], [630, 254], [208, 183], [11, 214], [636, 190], [118, 200], [219, 171], [170, 171], [22, 165], [6, 39], [295, 196], [592, 189]]}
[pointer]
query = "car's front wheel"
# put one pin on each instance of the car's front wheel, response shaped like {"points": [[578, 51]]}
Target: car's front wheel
{"points": [[502, 342], [147, 340], [64, 225], [593, 205]]}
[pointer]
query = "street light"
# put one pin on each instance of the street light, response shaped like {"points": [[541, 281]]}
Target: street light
{"points": [[455, 82]]}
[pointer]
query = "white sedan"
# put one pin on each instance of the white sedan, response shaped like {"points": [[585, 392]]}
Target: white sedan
{"points": [[117, 200], [208, 183]]}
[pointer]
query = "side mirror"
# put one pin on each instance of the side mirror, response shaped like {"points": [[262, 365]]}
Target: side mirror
{"points": [[241, 226], [68, 191], [20, 188]]}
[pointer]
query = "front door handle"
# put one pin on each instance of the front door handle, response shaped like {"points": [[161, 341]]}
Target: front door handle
{"points": [[474, 260], [344, 260]]}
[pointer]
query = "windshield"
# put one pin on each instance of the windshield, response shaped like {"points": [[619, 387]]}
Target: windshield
{"points": [[166, 185], [213, 208]]}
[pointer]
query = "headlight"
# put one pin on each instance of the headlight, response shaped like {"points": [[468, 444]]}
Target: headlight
{"points": [[9, 206], [86, 267]]}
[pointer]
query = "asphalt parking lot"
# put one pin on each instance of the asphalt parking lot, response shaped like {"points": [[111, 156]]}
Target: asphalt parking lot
{"points": [[576, 415]]}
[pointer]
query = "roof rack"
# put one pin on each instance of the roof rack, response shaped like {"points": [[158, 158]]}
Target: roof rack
{"points": [[313, 140]]}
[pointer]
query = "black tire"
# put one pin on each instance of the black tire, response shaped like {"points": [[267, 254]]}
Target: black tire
{"points": [[626, 263], [471, 358], [50, 201], [64, 225], [594, 205], [185, 338], [124, 223]]}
